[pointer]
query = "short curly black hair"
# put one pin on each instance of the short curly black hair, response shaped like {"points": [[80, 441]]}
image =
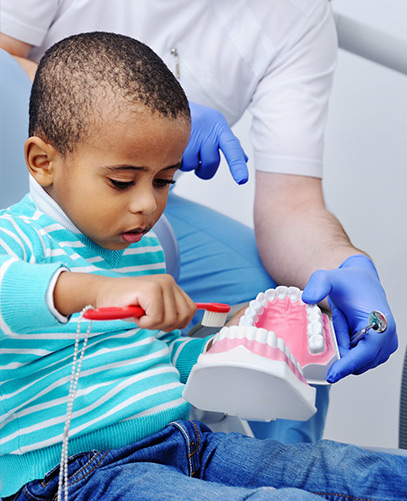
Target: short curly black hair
{"points": [[82, 76]]}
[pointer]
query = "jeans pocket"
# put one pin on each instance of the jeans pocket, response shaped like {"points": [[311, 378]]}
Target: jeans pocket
{"points": [[75, 464], [79, 466]]}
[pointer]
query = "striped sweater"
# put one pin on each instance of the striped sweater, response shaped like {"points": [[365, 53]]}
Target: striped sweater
{"points": [[132, 379]]}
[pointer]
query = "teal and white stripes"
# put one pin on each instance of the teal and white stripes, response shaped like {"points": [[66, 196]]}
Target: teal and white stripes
{"points": [[131, 379]]}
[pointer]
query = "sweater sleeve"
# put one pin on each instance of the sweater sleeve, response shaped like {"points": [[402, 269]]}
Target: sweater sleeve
{"points": [[184, 351], [23, 288], [25, 278]]}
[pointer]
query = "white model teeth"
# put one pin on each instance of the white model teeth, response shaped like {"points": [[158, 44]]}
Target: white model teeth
{"points": [[316, 344], [315, 329], [251, 333], [272, 339], [220, 335], [281, 344], [257, 306], [261, 298], [281, 292], [294, 294], [261, 336], [250, 317], [270, 294]]}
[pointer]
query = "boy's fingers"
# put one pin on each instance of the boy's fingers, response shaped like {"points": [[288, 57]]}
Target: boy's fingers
{"points": [[187, 309], [179, 310], [171, 309], [166, 305]]}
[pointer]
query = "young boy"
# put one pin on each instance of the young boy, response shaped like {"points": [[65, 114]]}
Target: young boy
{"points": [[108, 127]]}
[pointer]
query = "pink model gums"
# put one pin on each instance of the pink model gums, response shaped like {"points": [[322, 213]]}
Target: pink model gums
{"points": [[257, 341], [260, 370], [306, 331]]}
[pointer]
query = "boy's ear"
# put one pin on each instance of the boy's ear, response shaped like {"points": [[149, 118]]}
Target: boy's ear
{"points": [[40, 158]]}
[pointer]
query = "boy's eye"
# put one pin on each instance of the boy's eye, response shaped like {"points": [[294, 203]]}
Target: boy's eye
{"points": [[162, 183], [121, 185]]}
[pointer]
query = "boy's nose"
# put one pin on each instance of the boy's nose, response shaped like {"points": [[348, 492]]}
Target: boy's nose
{"points": [[143, 202]]}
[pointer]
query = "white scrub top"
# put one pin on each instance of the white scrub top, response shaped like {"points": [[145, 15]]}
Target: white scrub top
{"points": [[274, 58]]}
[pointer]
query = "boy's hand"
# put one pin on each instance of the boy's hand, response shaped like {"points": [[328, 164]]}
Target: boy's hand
{"points": [[166, 305]]}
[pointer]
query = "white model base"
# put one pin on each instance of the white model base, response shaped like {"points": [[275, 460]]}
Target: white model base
{"points": [[244, 384]]}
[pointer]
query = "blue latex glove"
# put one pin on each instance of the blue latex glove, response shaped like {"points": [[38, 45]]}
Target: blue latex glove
{"points": [[210, 133], [353, 291]]}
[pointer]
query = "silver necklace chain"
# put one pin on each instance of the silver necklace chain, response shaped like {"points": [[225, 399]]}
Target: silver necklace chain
{"points": [[76, 369]]}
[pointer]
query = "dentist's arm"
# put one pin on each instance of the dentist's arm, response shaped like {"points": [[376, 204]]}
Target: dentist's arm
{"points": [[20, 51], [296, 236]]}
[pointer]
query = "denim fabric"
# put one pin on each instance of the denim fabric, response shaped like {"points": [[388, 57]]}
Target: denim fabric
{"points": [[220, 263], [187, 461]]}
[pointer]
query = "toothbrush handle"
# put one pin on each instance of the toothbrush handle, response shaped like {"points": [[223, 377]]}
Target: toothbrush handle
{"points": [[213, 307], [117, 313], [114, 313]]}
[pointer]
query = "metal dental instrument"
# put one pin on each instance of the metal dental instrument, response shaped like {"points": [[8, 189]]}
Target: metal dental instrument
{"points": [[378, 323]]}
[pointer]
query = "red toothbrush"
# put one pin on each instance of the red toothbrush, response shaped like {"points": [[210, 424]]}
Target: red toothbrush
{"points": [[215, 313]]}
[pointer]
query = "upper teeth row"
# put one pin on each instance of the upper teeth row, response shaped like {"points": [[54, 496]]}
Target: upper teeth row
{"points": [[315, 327], [260, 336]]}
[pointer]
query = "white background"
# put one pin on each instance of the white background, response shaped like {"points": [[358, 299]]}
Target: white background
{"points": [[365, 180]]}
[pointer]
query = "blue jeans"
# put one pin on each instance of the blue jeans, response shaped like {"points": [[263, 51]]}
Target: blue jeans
{"points": [[220, 263], [187, 461]]}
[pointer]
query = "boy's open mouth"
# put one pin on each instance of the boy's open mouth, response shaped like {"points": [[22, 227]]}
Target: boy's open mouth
{"points": [[134, 235]]}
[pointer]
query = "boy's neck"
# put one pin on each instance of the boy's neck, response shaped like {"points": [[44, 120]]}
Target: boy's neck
{"points": [[48, 206]]}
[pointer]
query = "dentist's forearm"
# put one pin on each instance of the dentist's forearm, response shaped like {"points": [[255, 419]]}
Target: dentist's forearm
{"points": [[19, 50], [295, 233], [30, 67]]}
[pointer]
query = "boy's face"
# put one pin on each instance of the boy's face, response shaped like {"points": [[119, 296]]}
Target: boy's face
{"points": [[114, 188]]}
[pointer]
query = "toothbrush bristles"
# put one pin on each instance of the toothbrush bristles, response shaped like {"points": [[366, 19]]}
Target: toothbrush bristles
{"points": [[215, 314], [213, 319]]}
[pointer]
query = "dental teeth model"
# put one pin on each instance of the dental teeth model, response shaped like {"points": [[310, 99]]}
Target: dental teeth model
{"points": [[306, 331], [261, 369]]}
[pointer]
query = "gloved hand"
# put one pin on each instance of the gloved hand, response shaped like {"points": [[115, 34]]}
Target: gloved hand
{"points": [[353, 291], [210, 133]]}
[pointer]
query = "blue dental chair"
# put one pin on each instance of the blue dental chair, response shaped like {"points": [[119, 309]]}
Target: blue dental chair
{"points": [[14, 98]]}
